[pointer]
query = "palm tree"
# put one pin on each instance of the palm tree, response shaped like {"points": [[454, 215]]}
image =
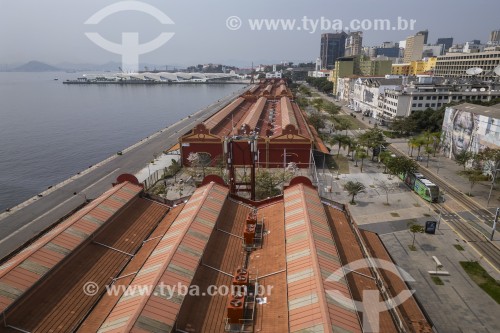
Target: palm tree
{"points": [[384, 158], [428, 151], [412, 144], [354, 188], [340, 140], [436, 141], [352, 144], [361, 154], [420, 142]]}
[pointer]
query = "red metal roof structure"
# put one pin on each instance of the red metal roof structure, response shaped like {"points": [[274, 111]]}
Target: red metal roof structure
{"points": [[267, 112], [312, 257], [175, 259], [145, 253], [26, 268]]}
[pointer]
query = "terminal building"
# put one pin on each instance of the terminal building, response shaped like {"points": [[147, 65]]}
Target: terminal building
{"points": [[265, 121], [212, 263]]}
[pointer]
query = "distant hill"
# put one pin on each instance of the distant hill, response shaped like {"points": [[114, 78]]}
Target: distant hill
{"points": [[36, 66]]}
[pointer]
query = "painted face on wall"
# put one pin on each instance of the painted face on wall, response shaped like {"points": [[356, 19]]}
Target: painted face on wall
{"points": [[463, 127]]}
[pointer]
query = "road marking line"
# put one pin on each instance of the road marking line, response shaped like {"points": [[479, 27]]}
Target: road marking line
{"points": [[51, 210], [99, 180], [30, 223]]}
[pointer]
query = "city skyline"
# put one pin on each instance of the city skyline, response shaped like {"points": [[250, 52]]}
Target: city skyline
{"points": [[203, 35]]}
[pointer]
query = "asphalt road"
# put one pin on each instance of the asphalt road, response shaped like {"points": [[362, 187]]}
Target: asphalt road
{"points": [[20, 225]]}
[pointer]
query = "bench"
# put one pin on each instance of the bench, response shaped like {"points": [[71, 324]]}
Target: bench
{"points": [[438, 270]]}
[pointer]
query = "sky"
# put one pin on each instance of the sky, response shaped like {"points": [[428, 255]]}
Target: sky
{"points": [[53, 31]]}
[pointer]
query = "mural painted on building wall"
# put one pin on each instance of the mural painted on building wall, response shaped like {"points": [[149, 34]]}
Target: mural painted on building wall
{"points": [[467, 131]]}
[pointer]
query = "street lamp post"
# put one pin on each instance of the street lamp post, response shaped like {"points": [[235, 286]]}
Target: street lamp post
{"points": [[494, 224], [492, 183]]}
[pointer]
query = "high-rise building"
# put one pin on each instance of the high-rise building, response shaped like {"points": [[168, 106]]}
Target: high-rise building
{"points": [[495, 36], [332, 47], [447, 42], [414, 48], [354, 44], [424, 33]]}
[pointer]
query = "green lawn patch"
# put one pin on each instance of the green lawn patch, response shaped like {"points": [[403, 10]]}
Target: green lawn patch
{"points": [[437, 280], [482, 279], [355, 123], [459, 247]]}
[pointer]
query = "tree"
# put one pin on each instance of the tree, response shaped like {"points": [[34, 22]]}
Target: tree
{"points": [[419, 142], [403, 126], [267, 184], [361, 154], [341, 140], [474, 176], [436, 141], [401, 165], [317, 103], [428, 150], [172, 169], [317, 120], [384, 157], [331, 108], [415, 228], [342, 124], [490, 160], [320, 83], [463, 158], [354, 188], [386, 188], [372, 139], [352, 144], [427, 120], [199, 159]]}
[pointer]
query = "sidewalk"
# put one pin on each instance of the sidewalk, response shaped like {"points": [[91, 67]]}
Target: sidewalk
{"points": [[440, 166]]}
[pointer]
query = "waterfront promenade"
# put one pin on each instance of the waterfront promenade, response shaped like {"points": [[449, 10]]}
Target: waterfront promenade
{"points": [[28, 219]]}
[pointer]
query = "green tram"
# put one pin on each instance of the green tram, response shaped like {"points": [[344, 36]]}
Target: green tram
{"points": [[422, 186]]}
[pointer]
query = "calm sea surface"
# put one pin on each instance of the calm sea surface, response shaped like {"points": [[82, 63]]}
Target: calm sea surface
{"points": [[50, 131]]}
